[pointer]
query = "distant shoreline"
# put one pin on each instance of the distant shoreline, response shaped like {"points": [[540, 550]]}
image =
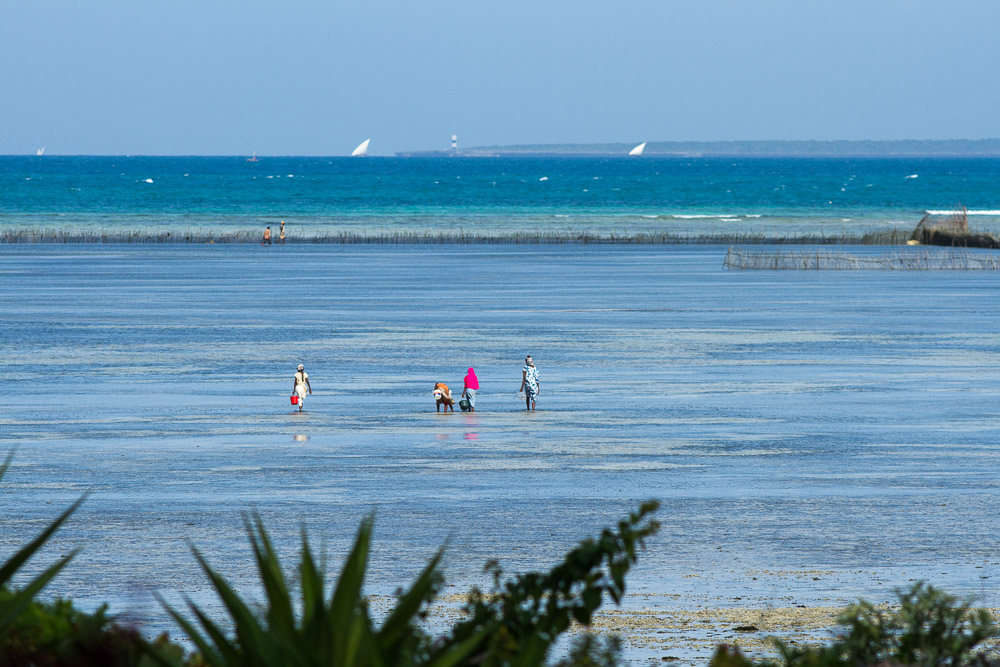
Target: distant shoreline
{"points": [[859, 149], [907, 148]]}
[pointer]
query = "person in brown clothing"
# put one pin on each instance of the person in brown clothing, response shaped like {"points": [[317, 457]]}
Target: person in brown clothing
{"points": [[442, 396]]}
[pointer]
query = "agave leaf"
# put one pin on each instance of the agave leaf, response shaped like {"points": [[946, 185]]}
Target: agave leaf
{"points": [[21, 599], [252, 637], [16, 604], [460, 654], [346, 602], [208, 654], [311, 582], [399, 623], [6, 464], [22, 556], [280, 617], [162, 657], [349, 647], [227, 648], [369, 652], [315, 634]]}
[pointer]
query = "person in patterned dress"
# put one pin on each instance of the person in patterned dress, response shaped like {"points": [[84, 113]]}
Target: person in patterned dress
{"points": [[530, 383]]}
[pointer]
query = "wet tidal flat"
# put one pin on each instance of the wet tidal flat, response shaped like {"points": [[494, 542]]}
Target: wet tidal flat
{"points": [[813, 436]]}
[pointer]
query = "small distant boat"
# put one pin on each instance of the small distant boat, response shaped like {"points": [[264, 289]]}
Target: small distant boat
{"points": [[253, 158], [362, 149], [40, 152], [637, 151]]}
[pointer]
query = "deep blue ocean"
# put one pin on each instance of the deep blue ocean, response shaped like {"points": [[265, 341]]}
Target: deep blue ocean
{"points": [[317, 196]]}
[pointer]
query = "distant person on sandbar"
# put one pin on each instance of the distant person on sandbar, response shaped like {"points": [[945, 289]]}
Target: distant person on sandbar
{"points": [[470, 389], [442, 396], [530, 384], [267, 237], [300, 384], [281, 234]]}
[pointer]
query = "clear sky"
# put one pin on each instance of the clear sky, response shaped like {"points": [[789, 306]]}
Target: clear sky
{"points": [[315, 77]]}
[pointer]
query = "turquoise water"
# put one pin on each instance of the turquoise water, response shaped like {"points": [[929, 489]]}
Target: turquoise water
{"points": [[478, 195], [814, 436]]}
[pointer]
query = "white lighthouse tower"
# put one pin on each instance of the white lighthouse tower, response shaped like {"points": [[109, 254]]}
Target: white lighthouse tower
{"points": [[454, 142]]}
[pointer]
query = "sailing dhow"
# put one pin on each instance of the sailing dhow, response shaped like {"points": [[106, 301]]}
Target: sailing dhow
{"points": [[362, 149]]}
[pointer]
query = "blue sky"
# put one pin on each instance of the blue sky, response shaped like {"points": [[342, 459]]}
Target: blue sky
{"points": [[314, 77]]}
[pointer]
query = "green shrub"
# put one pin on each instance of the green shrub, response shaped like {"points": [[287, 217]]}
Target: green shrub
{"points": [[589, 651], [53, 634], [519, 620], [928, 629]]}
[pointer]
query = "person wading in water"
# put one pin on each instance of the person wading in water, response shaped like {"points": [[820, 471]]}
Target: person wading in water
{"points": [[300, 384], [531, 385]]}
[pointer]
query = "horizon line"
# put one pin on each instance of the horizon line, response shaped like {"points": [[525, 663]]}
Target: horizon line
{"points": [[683, 148]]}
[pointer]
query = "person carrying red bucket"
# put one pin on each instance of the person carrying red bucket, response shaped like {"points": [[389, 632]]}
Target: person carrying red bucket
{"points": [[300, 385]]}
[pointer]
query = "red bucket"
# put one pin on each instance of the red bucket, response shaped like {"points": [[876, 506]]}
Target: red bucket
{"points": [[295, 399]]}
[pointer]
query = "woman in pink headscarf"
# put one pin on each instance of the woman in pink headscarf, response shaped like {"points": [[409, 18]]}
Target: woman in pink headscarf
{"points": [[471, 387]]}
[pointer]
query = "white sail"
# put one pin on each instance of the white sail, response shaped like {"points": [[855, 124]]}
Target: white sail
{"points": [[362, 149], [40, 152], [638, 149]]}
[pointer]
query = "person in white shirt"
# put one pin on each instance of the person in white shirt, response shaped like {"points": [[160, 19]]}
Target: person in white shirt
{"points": [[301, 384]]}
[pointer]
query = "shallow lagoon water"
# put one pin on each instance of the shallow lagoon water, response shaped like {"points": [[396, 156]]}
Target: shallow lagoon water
{"points": [[814, 436]]}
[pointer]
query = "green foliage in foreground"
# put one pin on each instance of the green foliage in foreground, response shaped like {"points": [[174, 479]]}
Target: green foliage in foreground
{"points": [[56, 633], [928, 629], [13, 604], [515, 624], [26, 629]]}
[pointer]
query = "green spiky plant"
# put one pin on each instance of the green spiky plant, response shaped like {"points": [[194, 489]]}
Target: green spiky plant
{"points": [[56, 633], [517, 624], [17, 600], [334, 630]]}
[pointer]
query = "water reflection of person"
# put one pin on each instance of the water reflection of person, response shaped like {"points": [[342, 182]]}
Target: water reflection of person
{"points": [[530, 383]]}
